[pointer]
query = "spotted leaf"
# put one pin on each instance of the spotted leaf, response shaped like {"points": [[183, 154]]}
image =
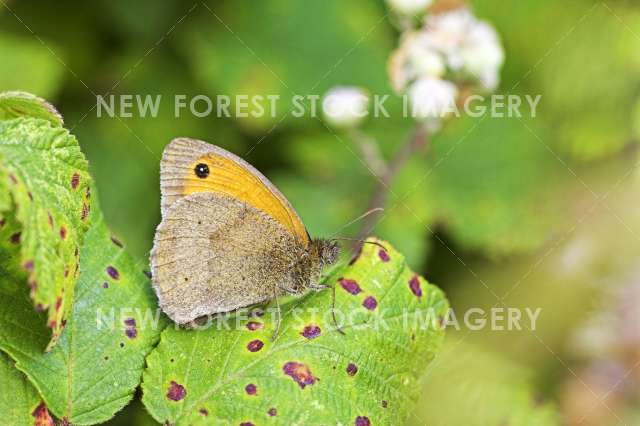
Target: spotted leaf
{"points": [[23, 104], [231, 371], [20, 403], [97, 364], [45, 185]]}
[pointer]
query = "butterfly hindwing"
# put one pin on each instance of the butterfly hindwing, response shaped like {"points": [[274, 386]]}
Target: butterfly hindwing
{"points": [[213, 253]]}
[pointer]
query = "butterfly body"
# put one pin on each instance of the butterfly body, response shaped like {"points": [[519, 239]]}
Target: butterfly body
{"points": [[228, 238]]}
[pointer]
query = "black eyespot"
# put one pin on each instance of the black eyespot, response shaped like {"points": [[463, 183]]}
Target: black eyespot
{"points": [[202, 170]]}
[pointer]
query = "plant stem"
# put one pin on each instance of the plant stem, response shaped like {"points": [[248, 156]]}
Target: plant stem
{"points": [[370, 152], [416, 143]]}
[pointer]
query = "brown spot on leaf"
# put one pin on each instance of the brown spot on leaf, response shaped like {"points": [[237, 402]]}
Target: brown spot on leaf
{"points": [[85, 211], [50, 219], [272, 412], [311, 331], [254, 325], [251, 389], [131, 330], [58, 303], [13, 178], [28, 265], [350, 286], [362, 421], [30, 195], [204, 412], [176, 391], [113, 272], [147, 273], [255, 345], [370, 303], [105, 285], [15, 238], [117, 242], [352, 369], [300, 373], [75, 180], [383, 255], [246, 424], [2, 222], [385, 404], [414, 285], [63, 232], [41, 416]]}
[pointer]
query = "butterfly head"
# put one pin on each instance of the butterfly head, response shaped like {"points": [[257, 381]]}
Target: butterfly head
{"points": [[328, 251]]}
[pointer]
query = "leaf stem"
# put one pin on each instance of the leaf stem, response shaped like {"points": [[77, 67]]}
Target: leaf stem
{"points": [[370, 151], [418, 142]]}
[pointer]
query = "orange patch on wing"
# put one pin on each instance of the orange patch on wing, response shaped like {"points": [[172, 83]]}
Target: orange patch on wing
{"points": [[229, 178]]}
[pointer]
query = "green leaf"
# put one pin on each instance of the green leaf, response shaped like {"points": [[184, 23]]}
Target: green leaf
{"points": [[96, 366], [43, 169], [310, 374], [23, 104], [20, 403]]}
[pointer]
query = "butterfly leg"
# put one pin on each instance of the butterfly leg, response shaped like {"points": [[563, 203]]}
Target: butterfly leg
{"points": [[333, 304], [333, 310]]}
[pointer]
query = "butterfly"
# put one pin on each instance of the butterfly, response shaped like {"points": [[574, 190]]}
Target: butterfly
{"points": [[228, 238]]}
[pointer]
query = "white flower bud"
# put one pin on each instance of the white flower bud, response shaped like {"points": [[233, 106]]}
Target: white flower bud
{"points": [[432, 98], [415, 58], [345, 106], [454, 41], [448, 30], [424, 59], [482, 55], [409, 7]]}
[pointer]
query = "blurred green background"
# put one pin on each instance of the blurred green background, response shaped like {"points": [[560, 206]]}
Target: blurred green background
{"points": [[533, 212]]}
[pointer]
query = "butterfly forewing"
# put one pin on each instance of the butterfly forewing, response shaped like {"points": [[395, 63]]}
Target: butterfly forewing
{"points": [[225, 174]]}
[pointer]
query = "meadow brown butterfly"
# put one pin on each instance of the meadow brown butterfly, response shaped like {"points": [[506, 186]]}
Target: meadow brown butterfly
{"points": [[228, 238]]}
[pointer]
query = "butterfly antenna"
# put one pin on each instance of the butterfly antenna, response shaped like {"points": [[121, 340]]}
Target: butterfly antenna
{"points": [[362, 216], [375, 243]]}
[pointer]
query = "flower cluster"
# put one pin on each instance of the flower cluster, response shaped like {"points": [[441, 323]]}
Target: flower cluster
{"points": [[445, 54], [451, 50]]}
